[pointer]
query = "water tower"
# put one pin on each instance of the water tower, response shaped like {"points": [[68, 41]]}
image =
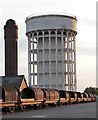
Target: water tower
{"points": [[52, 51]]}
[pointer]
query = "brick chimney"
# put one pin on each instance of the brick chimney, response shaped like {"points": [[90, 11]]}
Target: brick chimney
{"points": [[11, 44]]}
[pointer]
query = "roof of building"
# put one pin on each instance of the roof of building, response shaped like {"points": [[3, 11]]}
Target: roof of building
{"points": [[51, 14], [13, 80]]}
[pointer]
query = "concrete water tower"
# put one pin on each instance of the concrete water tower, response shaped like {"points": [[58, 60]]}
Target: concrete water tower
{"points": [[52, 51]]}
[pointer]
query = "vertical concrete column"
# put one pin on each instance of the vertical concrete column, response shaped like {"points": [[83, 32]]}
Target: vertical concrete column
{"points": [[43, 60], [62, 49], [50, 57], [37, 61], [11, 44], [33, 60], [64, 60], [56, 60], [75, 87], [72, 60], [29, 59], [68, 61]]}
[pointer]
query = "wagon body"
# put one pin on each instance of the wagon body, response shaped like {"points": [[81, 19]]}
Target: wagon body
{"points": [[64, 96], [31, 96]]}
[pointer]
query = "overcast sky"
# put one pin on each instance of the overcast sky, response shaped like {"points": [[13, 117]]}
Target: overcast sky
{"points": [[84, 10]]}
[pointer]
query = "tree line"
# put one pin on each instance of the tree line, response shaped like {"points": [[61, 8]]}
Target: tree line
{"points": [[91, 90]]}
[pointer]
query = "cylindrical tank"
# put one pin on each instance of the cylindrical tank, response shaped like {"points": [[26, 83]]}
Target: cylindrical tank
{"points": [[52, 51], [11, 36]]}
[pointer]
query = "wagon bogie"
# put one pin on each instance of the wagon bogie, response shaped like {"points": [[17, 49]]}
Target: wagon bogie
{"points": [[11, 109]]}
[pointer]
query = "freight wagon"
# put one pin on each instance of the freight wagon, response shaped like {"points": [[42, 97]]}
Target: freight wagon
{"points": [[12, 99]]}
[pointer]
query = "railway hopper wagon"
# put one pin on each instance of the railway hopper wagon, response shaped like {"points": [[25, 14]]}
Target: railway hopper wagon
{"points": [[79, 97], [12, 99], [64, 97], [85, 97], [73, 97], [30, 96], [9, 98], [89, 97], [51, 96], [93, 97]]}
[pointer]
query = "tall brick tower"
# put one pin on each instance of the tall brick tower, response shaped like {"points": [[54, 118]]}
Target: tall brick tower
{"points": [[11, 59]]}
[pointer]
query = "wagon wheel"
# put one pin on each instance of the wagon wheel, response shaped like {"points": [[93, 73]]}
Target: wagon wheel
{"points": [[23, 108], [11, 109], [4, 110]]}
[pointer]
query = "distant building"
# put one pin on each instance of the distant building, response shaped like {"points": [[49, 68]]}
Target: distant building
{"points": [[52, 51]]}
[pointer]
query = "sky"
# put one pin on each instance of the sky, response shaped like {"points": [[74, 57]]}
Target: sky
{"points": [[84, 10]]}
